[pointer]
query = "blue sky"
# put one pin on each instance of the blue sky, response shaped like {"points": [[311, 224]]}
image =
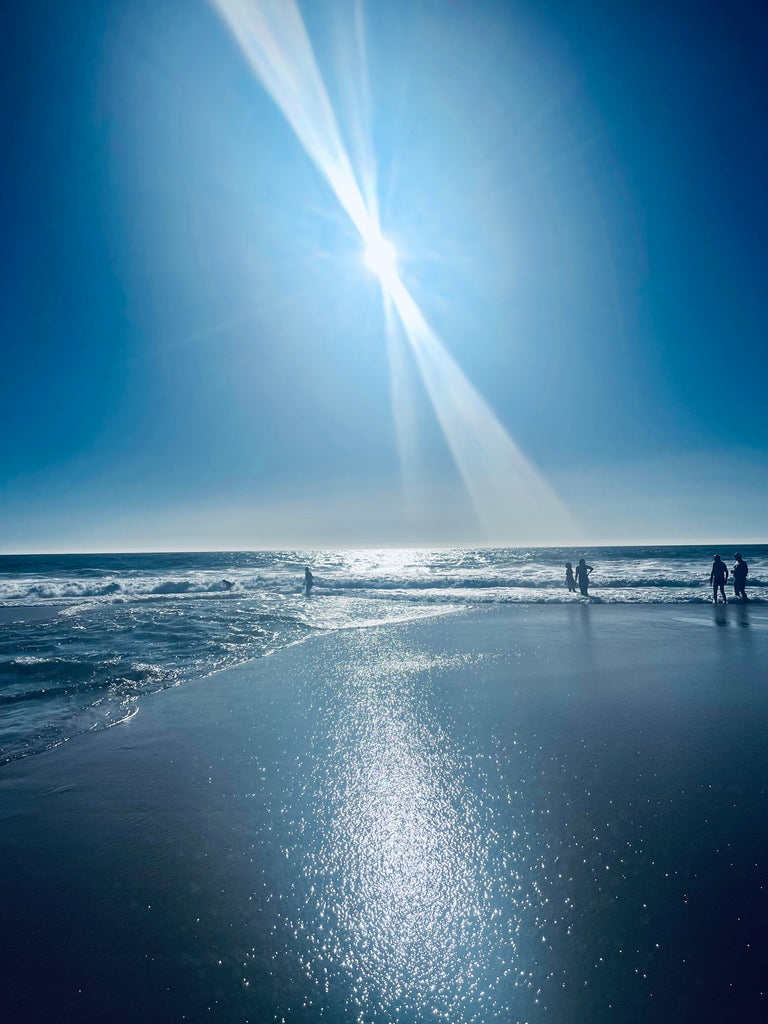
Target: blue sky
{"points": [[195, 355]]}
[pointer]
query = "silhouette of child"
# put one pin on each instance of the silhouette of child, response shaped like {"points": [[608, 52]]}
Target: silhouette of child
{"points": [[570, 582]]}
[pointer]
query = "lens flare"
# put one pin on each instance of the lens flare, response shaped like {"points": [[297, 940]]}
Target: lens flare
{"points": [[513, 501]]}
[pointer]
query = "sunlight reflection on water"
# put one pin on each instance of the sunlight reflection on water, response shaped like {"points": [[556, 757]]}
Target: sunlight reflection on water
{"points": [[415, 893]]}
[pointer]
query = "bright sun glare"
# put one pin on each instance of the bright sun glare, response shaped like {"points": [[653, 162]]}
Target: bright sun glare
{"points": [[381, 258], [508, 492]]}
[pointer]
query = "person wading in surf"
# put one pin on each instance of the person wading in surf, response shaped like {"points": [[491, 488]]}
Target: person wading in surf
{"points": [[582, 576], [570, 582], [309, 580], [739, 573], [717, 578]]}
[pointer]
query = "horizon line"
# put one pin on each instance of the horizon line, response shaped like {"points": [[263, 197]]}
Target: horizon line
{"points": [[391, 547]]}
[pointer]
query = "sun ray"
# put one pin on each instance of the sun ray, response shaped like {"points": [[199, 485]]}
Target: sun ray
{"points": [[510, 497], [273, 37], [403, 401], [512, 500]]}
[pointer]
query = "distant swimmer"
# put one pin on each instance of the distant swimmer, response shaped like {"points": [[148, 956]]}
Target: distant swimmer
{"points": [[740, 572], [309, 580], [717, 578], [582, 576], [570, 582]]}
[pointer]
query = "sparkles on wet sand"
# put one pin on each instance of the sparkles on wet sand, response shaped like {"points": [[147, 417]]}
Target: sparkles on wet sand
{"points": [[83, 638], [542, 813]]}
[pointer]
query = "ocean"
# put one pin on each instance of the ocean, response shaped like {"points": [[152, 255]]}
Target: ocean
{"points": [[84, 637]]}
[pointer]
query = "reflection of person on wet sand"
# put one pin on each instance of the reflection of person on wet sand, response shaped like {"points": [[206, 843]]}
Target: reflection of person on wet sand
{"points": [[740, 571], [717, 578], [309, 580], [582, 576]]}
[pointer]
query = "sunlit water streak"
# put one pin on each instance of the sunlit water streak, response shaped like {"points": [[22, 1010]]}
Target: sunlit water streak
{"points": [[421, 879]]}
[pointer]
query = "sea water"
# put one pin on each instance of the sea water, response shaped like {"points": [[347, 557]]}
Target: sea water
{"points": [[84, 637]]}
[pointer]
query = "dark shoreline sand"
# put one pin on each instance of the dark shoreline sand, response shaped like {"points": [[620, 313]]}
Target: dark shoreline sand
{"points": [[531, 814]]}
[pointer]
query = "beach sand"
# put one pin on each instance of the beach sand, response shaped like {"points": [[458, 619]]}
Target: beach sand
{"points": [[544, 813]]}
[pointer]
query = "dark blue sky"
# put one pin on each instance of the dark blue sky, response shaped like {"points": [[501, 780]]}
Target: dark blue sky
{"points": [[194, 355]]}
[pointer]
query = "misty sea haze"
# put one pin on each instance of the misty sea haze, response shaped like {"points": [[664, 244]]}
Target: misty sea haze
{"points": [[84, 637]]}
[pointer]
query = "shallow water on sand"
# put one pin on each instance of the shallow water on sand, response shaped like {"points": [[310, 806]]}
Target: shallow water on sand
{"points": [[461, 856], [548, 818], [83, 638], [411, 894]]}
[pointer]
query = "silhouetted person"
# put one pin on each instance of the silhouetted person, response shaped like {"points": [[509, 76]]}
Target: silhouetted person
{"points": [[309, 580], [570, 582], [717, 578], [740, 572], [582, 576]]}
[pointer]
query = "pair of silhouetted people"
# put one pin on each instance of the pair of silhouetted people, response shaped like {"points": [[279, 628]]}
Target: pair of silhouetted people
{"points": [[719, 576], [581, 577]]}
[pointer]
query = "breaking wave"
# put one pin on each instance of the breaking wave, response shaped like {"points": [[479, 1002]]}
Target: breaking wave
{"points": [[84, 638]]}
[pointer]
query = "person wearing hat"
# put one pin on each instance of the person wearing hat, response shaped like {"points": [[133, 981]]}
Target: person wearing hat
{"points": [[740, 571]]}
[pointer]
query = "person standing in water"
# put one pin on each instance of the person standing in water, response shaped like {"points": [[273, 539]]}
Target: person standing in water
{"points": [[582, 576], [309, 580], [717, 578], [739, 573], [570, 582]]}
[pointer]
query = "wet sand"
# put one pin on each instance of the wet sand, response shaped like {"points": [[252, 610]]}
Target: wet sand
{"points": [[534, 814]]}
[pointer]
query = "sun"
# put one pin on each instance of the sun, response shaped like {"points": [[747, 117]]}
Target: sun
{"points": [[381, 258]]}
